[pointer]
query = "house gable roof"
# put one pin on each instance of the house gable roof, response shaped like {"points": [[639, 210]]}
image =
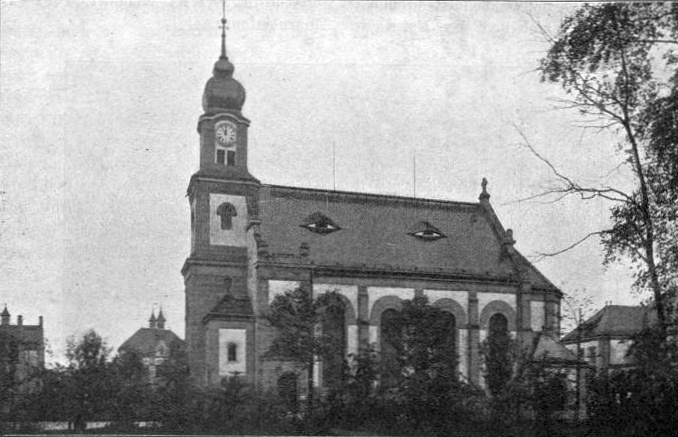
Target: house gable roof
{"points": [[231, 308], [146, 340], [611, 321], [547, 348]]}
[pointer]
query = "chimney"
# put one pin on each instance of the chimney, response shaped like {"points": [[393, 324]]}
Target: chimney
{"points": [[40, 320], [20, 320]]}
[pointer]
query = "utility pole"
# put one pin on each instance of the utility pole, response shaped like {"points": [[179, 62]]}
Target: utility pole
{"points": [[578, 367]]}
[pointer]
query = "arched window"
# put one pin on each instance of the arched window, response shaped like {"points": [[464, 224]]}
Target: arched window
{"points": [[287, 390], [226, 211], [390, 345], [448, 326], [499, 365], [232, 352], [334, 332]]}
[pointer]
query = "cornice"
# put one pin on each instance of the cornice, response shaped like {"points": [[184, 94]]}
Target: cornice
{"points": [[232, 115], [364, 271]]}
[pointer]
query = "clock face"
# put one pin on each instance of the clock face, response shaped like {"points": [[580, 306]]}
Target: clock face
{"points": [[225, 135]]}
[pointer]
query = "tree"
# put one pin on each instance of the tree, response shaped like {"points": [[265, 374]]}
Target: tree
{"points": [[130, 389], [427, 387], [617, 65], [88, 382], [297, 316], [642, 400], [498, 351]]}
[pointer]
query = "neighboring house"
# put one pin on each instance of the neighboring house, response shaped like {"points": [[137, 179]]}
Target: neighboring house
{"points": [[22, 355], [553, 356], [251, 241], [603, 340], [154, 345]]}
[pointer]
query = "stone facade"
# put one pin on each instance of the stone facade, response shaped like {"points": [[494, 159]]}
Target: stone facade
{"points": [[251, 241], [22, 355], [603, 340]]}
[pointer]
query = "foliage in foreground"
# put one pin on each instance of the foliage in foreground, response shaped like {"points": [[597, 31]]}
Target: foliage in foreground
{"points": [[642, 400]]}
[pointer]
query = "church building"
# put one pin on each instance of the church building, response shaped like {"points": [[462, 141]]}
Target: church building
{"points": [[251, 240]]}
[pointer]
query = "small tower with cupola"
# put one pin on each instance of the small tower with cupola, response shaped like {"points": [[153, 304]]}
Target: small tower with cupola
{"points": [[223, 199]]}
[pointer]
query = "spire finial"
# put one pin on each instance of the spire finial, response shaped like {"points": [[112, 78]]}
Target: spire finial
{"points": [[223, 29], [152, 322], [160, 320]]}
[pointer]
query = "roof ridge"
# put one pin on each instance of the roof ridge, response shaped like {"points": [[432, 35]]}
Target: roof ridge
{"points": [[373, 195]]}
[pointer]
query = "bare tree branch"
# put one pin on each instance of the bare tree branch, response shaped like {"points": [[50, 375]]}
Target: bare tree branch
{"points": [[572, 187], [541, 255]]}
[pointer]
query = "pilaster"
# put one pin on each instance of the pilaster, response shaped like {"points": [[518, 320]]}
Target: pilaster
{"points": [[473, 339], [363, 319]]}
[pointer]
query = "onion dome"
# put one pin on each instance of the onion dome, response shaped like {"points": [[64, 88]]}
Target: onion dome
{"points": [[222, 91]]}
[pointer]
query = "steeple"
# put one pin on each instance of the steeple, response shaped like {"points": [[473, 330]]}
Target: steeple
{"points": [[5, 316], [222, 127], [160, 320], [152, 322]]}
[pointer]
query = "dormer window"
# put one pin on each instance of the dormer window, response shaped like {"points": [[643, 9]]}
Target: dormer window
{"points": [[320, 224], [226, 212], [425, 231]]}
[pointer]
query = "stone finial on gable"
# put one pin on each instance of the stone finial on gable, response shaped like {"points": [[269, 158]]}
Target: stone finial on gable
{"points": [[508, 243], [262, 248], [484, 195], [261, 245], [304, 250]]}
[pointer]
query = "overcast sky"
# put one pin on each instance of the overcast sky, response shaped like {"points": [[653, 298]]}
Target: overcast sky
{"points": [[99, 103]]}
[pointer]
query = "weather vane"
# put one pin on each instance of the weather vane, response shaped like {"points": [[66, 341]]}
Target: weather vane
{"points": [[223, 29]]}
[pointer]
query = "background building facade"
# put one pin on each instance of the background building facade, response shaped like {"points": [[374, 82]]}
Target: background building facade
{"points": [[154, 345], [22, 356]]}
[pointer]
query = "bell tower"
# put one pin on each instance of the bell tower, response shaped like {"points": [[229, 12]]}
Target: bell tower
{"points": [[223, 198]]}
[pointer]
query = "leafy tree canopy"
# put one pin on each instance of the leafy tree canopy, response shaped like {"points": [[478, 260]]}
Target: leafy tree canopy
{"points": [[617, 64]]}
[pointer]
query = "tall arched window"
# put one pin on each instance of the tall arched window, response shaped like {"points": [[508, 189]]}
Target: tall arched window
{"points": [[226, 211], [499, 365], [334, 331], [390, 343], [448, 326]]}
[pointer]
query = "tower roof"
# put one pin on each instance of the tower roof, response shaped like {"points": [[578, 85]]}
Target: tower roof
{"points": [[161, 317], [5, 313], [152, 319], [222, 91]]}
